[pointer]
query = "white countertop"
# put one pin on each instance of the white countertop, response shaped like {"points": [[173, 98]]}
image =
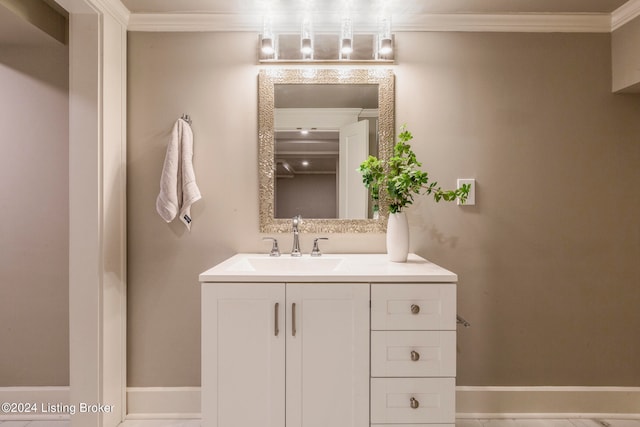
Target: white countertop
{"points": [[326, 268]]}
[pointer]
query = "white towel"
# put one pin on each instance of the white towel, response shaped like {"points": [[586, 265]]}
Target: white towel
{"points": [[178, 189]]}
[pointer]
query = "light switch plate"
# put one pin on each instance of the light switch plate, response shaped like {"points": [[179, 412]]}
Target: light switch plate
{"points": [[471, 198]]}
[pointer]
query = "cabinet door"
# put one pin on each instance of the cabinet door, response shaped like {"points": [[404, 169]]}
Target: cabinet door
{"points": [[243, 355], [328, 355]]}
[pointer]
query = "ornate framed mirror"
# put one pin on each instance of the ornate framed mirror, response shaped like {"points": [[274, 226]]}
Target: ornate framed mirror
{"points": [[315, 127]]}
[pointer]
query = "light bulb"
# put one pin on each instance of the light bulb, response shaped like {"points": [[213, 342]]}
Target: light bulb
{"points": [[386, 46], [346, 36], [305, 46], [306, 36], [384, 35], [267, 45]]}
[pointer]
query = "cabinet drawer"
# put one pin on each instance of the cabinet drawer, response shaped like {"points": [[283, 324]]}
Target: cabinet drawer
{"points": [[429, 306], [413, 354], [391, 400]]}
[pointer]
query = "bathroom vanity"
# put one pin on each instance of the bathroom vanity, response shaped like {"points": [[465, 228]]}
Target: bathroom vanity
{"points": [[339, 340]]}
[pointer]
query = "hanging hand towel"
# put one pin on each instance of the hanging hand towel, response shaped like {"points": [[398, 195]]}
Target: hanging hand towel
{"points": [[178, 189]]}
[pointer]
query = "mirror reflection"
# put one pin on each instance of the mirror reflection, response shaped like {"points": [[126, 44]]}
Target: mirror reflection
{"points": [[315, 127], [322, 133]]}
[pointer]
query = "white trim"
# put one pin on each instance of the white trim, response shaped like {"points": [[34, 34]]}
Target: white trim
{"points": [[115, 8], [517, 23], [472, 402], [625, 13], [37, 396], [581, 389], [546, 416], [547, 402], [85, 190], [193, 22], [314, 118], [123, 230], [531, 22], [97, 106], [370, 113], [163, 403]]}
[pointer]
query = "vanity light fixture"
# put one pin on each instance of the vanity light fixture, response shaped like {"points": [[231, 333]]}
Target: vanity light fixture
{"points": [[267, 44], [319, 42], [306, 37], [346, 36], [305, 163], [385, 42]]}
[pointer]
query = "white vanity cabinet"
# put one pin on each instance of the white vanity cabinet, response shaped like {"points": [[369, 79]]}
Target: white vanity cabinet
{"points": [[243, 360], [327, 358], [294, 354], [340, 340], [413, 354]]}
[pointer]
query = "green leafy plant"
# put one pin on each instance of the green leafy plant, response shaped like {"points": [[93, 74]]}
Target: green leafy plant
{"points": [[402, 178]]}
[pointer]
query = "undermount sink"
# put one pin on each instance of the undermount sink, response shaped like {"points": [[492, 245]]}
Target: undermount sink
{"points": [[286, 264]]}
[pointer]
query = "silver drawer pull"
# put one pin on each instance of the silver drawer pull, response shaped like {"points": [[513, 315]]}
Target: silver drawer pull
{"points": [[276, 329], [414, 403], [415, 356], [415, 308]]}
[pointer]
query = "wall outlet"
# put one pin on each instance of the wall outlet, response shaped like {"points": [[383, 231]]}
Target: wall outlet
{"points": [[471, 198]]}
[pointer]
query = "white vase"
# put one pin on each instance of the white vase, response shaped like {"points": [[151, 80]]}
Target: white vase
{"points": [[398, 237]]}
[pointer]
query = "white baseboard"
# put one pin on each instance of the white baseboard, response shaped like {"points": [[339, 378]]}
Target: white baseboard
{"points": [[34, 403], [471, 402], [163, 403], [548, 402]]}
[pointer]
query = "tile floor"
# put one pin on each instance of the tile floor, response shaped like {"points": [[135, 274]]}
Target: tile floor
{"points": [[581, 422]]}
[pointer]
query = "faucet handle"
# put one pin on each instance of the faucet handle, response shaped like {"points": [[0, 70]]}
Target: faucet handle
{"points": [[316, 250], [275, 251]]}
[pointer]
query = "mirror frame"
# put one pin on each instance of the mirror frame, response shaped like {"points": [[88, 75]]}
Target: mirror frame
{"points": [[267, 79]]}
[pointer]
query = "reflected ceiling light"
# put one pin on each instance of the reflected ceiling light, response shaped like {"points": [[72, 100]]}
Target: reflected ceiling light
{"points": [[306, 37], [286, 166], [346, 36], [305, 163]]}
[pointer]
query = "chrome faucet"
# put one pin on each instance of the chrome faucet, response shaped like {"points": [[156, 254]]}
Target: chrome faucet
{"points": [[316, 249], [295, 251], [275, 251]]}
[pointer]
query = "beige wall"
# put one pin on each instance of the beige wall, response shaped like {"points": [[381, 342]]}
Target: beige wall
{"points": [[34, 198], [547, 259], [311, 196], [625, 51]]}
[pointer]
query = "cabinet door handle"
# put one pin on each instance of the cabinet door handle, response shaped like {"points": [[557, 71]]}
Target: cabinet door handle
{"points": [[276, 328], [415, 308], [293, 319], [414, 403], [415, 356]]}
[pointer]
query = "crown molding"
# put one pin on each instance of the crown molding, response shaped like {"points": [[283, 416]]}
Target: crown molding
{"points": [[516, 23], [568, 23], [114, 8], [625, 13], [193, 22]]}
